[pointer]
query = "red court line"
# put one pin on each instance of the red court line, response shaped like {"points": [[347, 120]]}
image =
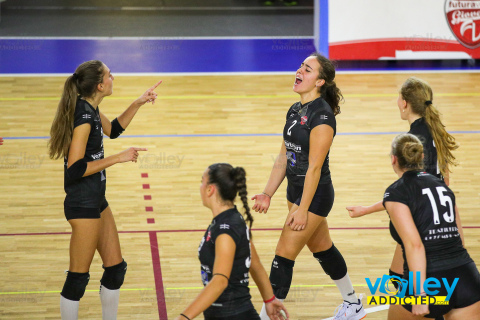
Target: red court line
{"points": [[198, 230], [157, 272]]}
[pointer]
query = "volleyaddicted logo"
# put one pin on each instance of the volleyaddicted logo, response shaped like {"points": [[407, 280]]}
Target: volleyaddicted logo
{"points": [[405, 293], [463, 18]]}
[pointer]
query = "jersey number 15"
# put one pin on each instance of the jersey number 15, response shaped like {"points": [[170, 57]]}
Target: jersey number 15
{"points": [[449, 216]]}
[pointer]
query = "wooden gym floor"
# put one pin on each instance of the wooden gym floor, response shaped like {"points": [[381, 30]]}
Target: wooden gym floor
{"points": [[197, 121]]}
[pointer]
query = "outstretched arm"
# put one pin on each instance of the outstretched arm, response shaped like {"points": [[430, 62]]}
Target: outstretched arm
{"points": [[359, 211], [126, 117]]}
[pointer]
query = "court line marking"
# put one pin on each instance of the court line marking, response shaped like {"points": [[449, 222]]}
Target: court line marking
{"points": [[345, 71], [222, 135], [198, 230], [157, 273], [59, 291], [223, 97]]}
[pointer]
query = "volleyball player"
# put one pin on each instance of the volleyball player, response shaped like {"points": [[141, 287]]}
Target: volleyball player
{"points": [[77, 136], [416, 106], [308, 134], [426, 223], [227, 253]]}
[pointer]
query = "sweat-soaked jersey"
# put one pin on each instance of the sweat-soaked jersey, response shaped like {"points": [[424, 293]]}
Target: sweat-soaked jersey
{"points": [[432, 205], [301, 119], [236, 297], [89, 191]]}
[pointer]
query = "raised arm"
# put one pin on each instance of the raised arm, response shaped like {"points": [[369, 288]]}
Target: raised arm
{"points": [[414, 250], [118, 125], [222, 267]]}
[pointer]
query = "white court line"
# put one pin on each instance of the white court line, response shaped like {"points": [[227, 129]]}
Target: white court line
{"points": [[369, 310], [216, 74]]}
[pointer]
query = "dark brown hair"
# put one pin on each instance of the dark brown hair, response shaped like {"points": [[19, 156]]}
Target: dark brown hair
{"points": [[329, 91], [82, 83], [230, 181], [420, 97]]}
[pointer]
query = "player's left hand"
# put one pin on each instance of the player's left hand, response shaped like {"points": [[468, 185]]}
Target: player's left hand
{"points": [[274, 310], [297, 220], [149, 95]]}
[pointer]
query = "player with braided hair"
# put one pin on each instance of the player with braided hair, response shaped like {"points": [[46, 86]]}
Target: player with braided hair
{"points": [[227, 254]]}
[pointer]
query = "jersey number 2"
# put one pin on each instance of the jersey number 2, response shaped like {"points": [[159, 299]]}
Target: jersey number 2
{"points": [[444, 200], [289, 131]]}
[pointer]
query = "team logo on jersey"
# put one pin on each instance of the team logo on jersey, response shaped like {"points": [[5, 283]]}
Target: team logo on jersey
{"points": [[209, 236], [463, 18], [86, 116], [224, 226], [303, 120]]}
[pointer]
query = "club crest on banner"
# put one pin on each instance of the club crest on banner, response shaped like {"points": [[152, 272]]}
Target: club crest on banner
{"points": [[463, 18]]}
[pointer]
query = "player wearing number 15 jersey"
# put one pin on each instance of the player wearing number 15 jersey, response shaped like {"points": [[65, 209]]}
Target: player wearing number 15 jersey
{"points": [[426, 223]]}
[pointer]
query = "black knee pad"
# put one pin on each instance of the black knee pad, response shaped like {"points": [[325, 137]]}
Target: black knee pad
{"points": [[281, 276], [113, 276], [332, 262], [392, 273], [75, 284]]}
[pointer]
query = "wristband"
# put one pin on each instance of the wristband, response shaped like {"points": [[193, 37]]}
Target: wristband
{"points": [[267, 195], [270, 300], [185, 316]]}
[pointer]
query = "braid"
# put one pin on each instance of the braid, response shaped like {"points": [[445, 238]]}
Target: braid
{"points": [[241, 186]]}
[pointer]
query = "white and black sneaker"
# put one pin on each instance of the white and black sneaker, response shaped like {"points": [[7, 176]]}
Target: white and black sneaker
{"points": [[350, 311]]}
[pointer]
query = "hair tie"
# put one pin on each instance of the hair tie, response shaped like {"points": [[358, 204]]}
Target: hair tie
{"points": [[428, 102]]}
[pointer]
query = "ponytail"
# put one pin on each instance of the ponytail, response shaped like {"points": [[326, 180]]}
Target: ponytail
{"points": [[329, 90], [444, 141], [229, 182], [82, 83], [419, 95], [239, 175], [61, 131]]}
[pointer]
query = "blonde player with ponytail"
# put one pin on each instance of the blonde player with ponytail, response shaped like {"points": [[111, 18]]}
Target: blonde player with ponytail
{"points": [[415, 103]]}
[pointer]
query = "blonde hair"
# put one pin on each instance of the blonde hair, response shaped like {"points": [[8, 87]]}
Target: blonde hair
{"points": [[419, 95], [409, 151]]}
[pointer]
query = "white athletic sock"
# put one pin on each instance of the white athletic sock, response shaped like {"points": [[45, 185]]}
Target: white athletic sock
{"points": [[68, 309], [263, 312], [109, 300], [346, 289]]}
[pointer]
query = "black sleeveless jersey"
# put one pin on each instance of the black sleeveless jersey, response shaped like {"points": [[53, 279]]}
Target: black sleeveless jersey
{"points": [[89, 191], [432, 205], [420, 129], [236, 297], [301, 119]]}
